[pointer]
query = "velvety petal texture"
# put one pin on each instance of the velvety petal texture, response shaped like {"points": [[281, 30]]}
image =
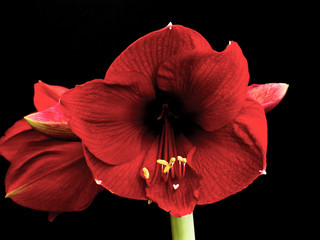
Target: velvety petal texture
{"points": [[269, 95], [211, 86], [46, 174], [147, 53], [109, 118], [14, 138], [122, 179], [46, 96], [176, 197], [232, 157]]}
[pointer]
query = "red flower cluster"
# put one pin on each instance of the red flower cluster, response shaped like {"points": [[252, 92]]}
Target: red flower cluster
{"points": [[173, 122]]}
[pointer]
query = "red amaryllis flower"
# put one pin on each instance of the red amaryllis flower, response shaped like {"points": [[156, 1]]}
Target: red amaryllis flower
{"points": [[46, 173], [171, 122]]}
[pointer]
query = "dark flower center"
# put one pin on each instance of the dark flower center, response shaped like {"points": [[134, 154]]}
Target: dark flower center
{"points": [[174, 111]]}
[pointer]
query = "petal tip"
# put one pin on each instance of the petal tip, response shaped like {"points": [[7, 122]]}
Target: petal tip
{"points": [[169, 26], [52, 216], [263, 172], [16, 191], [29, 119], [269, 95], [51, 122], [98, 181]]}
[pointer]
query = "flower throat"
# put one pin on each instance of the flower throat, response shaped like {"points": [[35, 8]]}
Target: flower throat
{"points": [[170, 164]]}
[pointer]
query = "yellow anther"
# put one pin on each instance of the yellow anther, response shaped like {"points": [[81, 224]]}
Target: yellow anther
{"points": [[181, 159], [162, 162], [172, 160], [170, 164], [149, 201], [145, 173], [167, 168]]}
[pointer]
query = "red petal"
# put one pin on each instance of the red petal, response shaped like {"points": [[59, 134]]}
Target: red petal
{"points": [[123, 180], [232, 157], [210, 85], [178, 202], [51, 122], [148, 52], [110, 118], [50, 175], [13, 139], [268, 95], [46, 96], [176, 196]]}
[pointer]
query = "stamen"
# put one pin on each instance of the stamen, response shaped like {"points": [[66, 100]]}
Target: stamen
{"points": [[162, 162], [165, 176], [181, 159], [146, 173], [164, 108], [168, 150], [183, 169], [169, 166]]}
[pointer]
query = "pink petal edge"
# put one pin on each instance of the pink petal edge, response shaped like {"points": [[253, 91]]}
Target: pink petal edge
{"points": [[269, 95], [51, 122]]}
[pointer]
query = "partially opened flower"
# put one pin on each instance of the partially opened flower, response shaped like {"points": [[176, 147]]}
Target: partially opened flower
{"points": [[172, 122], [47, 172]]}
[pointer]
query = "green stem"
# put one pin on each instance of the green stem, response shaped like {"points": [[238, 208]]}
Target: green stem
{"points": [[182, 228]]}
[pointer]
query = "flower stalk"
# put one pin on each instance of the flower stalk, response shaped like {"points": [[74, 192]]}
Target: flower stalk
{"points": [[182, 228]]}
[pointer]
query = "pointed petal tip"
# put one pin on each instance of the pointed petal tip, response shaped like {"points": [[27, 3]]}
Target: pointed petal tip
{"points": [[98, 181], [16, 191], [269, 95], [10, 194], [29, 119], [283, 87], [51, 122], [263, 172], [52, 216]]}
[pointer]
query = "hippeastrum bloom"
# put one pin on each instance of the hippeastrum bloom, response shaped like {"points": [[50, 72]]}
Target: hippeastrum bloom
{"points": [[46, 173], [172, 122]]}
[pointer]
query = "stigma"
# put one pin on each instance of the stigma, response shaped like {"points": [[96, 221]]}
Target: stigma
{"points": [[146, 173]]}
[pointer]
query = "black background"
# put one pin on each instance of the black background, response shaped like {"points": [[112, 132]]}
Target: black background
{"points": [[71, 42]]}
